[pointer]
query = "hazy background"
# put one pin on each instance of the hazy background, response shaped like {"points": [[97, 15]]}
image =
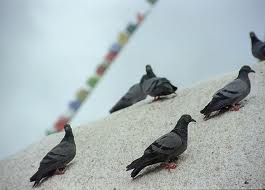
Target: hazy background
{"points": [[49, 48]]}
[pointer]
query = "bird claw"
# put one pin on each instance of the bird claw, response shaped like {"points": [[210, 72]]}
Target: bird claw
{"points": [[156, 98], [235, 107], [59, 171], [169, 166]]}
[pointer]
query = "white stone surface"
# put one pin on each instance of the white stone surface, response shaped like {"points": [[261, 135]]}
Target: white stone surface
{"points": [[224, 152]]}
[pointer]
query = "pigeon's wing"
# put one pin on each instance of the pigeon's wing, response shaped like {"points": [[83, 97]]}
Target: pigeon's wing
{"points": [[134, 95], [158, 87], [165, 145], [121, 104], [58, 156], [258, 50], [233, 91], [149, 85]]}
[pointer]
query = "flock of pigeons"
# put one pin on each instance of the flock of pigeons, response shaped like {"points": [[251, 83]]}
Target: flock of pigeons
{"points": [[168, 147]]}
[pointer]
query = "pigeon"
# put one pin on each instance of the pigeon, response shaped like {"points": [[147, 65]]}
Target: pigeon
{"points": [[229, 96], [134, 95], [157, 87], [164, 149], [56, 160], [257, 47]]}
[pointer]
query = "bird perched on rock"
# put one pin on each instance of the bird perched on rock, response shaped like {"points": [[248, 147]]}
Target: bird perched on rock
{"points": [[229, 96], [157, 87], [135, 93], [165, 149], [56, 160], [257, 47]]}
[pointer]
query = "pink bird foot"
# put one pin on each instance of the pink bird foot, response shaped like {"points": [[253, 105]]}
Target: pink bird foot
{"points": [[235, 107], [59, 171], [169, 166], [156, 98]]}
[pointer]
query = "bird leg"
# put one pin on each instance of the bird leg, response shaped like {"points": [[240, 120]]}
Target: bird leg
{"points": [[59, 171], [235, 107]]}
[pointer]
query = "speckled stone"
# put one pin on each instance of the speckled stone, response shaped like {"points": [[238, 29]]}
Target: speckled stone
{"points": [[227, 151]]}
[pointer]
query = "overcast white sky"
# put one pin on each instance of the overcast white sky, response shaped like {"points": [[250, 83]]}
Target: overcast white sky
{"points": [[49, 48]]}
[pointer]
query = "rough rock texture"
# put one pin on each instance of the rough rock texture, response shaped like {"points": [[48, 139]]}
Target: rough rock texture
{"points": [[227, 151]]}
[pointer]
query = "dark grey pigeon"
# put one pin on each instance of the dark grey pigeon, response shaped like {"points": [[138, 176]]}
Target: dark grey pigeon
{"points": [[257, 47], [149, 73], [56, 160], [230, 95], [165, 149], [157, 87], [134, 95]]}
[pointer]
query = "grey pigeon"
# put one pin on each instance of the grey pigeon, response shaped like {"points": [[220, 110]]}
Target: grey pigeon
{"points": [[230, 95], [135, 93], [56, 160], [257, 47], [157, 87], [165, 149], [149, 73]]}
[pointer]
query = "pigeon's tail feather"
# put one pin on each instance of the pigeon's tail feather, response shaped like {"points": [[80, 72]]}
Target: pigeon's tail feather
{"points": [[134, 164], [112, 110], [141, 163], [203, 111], [136, 171], [34, 177], [36, 184], [174, 87], [120, 105], [207, 109], [39, 175], [115, 108]]}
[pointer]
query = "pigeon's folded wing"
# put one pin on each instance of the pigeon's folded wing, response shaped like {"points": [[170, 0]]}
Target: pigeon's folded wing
{"points": [[152, 84], [233, 90], [167, 144], [58, 156], [135, 94], [149, 85]]}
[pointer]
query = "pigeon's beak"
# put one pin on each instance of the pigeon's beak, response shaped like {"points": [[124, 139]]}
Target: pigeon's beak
{"points": [[252, 71], [192, 120]]}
